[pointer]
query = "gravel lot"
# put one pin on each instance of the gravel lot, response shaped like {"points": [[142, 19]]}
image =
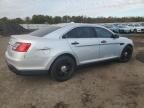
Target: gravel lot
{"points": [[98, 85]]}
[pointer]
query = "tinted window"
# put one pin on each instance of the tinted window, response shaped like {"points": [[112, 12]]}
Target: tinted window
{"points": [[44, 31], [81, 32], [103, 33]]}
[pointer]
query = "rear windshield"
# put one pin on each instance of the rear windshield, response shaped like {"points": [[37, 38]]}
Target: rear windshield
{"points": [[44, 31]]}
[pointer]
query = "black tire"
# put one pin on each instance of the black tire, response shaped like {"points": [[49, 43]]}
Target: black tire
{"points": [[126, 54], [135, 30], [63, 68]]}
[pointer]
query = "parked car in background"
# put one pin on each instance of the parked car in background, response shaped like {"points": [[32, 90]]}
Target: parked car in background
{"points": [[137, 28], [132, 28], [58, 50], [113, 28], [124, 29], [142, 26]]}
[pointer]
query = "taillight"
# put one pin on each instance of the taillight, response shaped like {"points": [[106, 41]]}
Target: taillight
{"points": [[21, 46]]}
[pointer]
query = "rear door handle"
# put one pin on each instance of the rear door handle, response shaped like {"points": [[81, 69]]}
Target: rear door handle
{"points": [[75, 43], [103, 41]]}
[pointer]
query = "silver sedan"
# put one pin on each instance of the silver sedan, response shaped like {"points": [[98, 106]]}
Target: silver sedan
{"points": [[58, 50]]}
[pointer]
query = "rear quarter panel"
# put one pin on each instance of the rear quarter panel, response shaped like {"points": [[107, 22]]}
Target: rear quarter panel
{"points": [[50, 49]]}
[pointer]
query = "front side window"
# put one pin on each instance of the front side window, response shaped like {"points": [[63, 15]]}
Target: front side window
{"points": [[81, 32], [103, 33]]}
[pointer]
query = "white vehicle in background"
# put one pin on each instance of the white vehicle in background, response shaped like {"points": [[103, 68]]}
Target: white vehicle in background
{"points": [[124, 29], [136, 28]]}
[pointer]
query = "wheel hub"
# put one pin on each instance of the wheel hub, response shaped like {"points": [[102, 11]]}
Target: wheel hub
{"points": [[126, 54], [64, 69]]}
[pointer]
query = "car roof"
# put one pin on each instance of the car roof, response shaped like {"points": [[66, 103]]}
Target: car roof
{"points": [[82, 24]]}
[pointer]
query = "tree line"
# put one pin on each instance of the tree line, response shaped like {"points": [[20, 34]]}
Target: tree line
{"points": [[45, 19]]}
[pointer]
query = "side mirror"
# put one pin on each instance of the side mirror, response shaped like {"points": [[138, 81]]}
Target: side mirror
{"points": [[115, 36]]}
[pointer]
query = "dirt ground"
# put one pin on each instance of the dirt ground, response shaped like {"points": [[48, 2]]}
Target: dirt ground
{"points": [[98, 85]]}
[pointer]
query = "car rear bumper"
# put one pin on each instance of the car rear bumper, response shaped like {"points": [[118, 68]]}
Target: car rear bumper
{"points": [[22, 68], [33, 62], [26, 72]]}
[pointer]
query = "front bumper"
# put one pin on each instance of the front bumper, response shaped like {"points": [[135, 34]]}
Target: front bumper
{"points": [[124, 31]]}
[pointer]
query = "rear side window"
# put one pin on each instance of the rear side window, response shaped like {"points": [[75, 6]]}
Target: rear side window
{"points": [[81, 32], [103, 33], [44, 31]]}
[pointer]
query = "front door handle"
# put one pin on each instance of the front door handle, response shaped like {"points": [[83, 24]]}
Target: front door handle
{"points": [[75, 43], [103, 41]]}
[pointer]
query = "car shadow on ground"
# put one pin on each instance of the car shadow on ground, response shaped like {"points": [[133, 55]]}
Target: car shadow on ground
{"points": [[91, 66], [83, 69]]}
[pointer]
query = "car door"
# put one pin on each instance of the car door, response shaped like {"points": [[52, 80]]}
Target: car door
{"points": [[109, 46], [84, 43]]}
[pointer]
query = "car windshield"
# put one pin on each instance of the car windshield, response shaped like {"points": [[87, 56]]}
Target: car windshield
{"points": [[121, 26], [137, 25], [44, 31], [107, 26]]}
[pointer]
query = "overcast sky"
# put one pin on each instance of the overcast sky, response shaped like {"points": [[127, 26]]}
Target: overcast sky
{"points": [[92, 8]]}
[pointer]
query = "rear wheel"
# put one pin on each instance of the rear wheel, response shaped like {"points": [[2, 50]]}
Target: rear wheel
{"points": [[63, 68], [126, 54]]}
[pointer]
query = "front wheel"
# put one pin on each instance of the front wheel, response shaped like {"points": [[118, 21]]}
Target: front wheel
{"points": [[63, 68], [126, 54]]}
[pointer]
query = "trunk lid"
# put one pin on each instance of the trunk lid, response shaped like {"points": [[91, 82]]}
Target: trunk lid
{"points": [[20, 38]]}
